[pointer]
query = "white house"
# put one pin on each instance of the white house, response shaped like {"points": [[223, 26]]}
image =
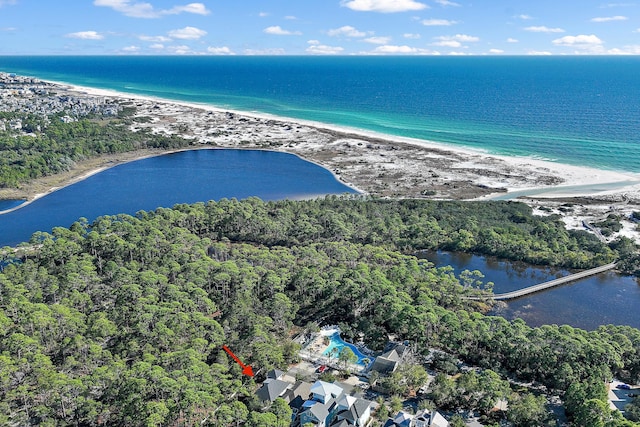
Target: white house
{"points": [[323, 391]]}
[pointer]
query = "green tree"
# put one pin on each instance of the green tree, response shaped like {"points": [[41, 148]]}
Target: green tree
{"points": [[383, 412], [457, 421], [528, 410], [347, 356], [396, 404], [283, 412]]}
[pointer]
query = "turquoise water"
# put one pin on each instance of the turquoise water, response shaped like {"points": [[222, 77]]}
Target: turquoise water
{"points": [[338, 343], [163, 181], [578, 110]]}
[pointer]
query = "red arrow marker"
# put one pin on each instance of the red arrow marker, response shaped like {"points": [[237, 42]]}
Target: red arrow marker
{"points": [[246, 369]]}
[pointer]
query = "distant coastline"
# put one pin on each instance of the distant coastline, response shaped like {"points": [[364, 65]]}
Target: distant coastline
{"points": [[569, 174], [581, 111], [368, 162]]}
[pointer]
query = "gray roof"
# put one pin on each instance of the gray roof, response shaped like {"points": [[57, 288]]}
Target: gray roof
{"points": [[391, 355], [275, 374], [271, 390], [355, 411], [433, 418], [383, 365], [301, 390], [321, 410], [403, 419], [361, 406]]}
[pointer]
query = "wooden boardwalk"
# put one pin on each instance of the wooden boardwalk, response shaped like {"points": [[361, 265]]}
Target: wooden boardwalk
{"points": [[546, 285]]}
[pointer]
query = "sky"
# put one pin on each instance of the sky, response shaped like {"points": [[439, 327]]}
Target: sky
{"points": [[319, 27]]}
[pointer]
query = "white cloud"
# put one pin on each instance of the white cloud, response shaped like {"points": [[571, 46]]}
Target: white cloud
{"points": [[496, 51], [582, 42], [525, 17], [187, 33], [391, 49], [157, 39], [447, 3], [512, 40], [543, 29], [157, 46], [263, 14], [384, 6], [637, 31], [454, 41], [411, 36], [195, 8], [180, 50], [290, 18], [609, 18], [146, 10], [608, 5], [628, 50], [222, 50], [278, 31], [447, 43], [438, 22], [131, 49], [273, 51], [317, 48], [8, 29], [459, 37], [455, 53], [378, 40], [347, 31], [86, 35], [539, 52]]}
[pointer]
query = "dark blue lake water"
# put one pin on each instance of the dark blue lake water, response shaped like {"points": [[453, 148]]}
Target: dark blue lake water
{"points": [[163, 181], [606, 298]]}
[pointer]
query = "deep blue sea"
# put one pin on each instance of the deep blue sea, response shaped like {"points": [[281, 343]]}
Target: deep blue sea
{"points": [[163, 181], [576, 110]]}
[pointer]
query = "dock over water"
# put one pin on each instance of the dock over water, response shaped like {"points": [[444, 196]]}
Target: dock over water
{"points": [[545, 285]]}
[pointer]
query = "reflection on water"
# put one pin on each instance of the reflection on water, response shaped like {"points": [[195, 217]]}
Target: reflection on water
{"points": [[606, 298]]}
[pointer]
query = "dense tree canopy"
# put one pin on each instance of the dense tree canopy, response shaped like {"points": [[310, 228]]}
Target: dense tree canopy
{"points": [[122, 321], [52, 146]]}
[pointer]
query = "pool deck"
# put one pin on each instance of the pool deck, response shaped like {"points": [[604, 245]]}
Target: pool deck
{"points": [[314, 349]]}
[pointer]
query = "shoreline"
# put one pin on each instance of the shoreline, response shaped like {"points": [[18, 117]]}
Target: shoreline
{"points": [[118, 160], [572, 175], [127, 158], [369, 162]]}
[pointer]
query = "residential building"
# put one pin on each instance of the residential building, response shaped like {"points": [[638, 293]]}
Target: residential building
{"points": [[389, 361], [423, 418]]}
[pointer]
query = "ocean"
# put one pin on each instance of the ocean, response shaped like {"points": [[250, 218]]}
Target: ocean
{"points": [[578, 110]]}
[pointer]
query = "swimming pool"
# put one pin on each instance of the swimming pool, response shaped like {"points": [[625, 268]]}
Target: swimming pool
{"points": [[338, 343]]}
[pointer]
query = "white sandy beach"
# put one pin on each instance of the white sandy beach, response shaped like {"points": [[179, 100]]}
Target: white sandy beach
{"points": [[390, 166], [568, 175]]}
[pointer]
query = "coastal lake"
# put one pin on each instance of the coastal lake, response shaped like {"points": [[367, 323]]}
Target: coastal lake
{"points": [[163, 181], [606, 298], [201, 175]]}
